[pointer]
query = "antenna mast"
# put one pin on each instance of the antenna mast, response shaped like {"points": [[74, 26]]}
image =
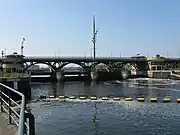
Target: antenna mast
{"points": [[94, 40]]}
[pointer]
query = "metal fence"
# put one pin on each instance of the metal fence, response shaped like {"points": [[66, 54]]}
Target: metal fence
{"points": [[13, 75], [17, 113]]}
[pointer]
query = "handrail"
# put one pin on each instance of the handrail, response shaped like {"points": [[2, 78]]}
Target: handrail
{"points": [[13, 75], [23, 113]]}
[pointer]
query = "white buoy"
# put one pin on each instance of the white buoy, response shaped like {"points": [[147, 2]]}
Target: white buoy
{"points": [[93, 98], [82, 97], [51, 96], [72, 97], [104, 98]]}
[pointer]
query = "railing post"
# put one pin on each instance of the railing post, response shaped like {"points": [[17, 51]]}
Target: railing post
{"points": [[30, 116], [1, 99], [25, 119], [9, 107]]}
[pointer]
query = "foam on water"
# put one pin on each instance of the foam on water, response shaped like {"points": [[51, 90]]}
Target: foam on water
{"points": [[156, 83]]}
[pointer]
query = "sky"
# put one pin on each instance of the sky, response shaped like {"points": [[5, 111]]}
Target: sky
{"points": [[64, 27]]}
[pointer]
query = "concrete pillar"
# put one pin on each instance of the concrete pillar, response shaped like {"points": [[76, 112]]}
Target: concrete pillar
{"points": [[16, 85], [94, 76], [59, 76]]}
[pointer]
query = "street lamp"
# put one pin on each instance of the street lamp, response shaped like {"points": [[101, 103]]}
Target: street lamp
{"points": [[22, 47], [2, 53]]}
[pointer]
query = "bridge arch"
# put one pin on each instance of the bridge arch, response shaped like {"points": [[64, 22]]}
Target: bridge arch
{"points": [[35, 63], [73, 64], [129, 67], [101, 67]]}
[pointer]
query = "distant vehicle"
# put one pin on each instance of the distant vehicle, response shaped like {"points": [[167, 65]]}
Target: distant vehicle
{"points": [[138, 56], [15, 53]]}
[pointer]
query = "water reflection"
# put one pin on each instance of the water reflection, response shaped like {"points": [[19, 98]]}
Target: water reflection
{"points": [[87, 89], [94, 84], [130, 88], [95, 124], [107, 118], [60, 88]]}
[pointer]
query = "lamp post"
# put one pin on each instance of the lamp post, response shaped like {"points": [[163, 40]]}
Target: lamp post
{"points": [[22, 47], [2, 53]]}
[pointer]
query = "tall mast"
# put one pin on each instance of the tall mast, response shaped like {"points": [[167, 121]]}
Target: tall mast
{"points": [[94, 40]]}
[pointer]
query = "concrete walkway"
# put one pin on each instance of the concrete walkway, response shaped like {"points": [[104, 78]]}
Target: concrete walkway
{"points": [[5, 128]]}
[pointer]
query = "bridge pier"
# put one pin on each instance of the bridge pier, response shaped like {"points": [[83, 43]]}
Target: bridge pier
{"points": [[94, 76], [60, 76], [125, 74]]}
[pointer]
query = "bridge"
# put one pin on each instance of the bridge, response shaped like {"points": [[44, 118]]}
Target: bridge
{"points": [[110, 64], [81, 59], [87, 59], [54, 62]]}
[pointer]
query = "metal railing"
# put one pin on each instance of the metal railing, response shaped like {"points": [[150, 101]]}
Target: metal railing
{"points": [[13, 75], [17, 113]]}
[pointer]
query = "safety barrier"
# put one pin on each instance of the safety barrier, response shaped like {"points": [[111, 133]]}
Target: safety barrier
{"points": [[17, 113], [117, 99], [13, 75]]}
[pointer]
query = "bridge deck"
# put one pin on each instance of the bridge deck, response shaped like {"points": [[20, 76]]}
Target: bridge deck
{"points": [[5, 128], [80, 59], [72, 59]]}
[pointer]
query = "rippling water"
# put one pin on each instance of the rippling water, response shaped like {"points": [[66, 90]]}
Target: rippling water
{"points": [[92, 118]]}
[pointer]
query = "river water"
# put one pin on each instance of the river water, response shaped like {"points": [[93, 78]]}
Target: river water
{"points": [[107, 118]]}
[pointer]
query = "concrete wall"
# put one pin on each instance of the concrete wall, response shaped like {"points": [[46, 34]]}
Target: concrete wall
{"points": [[103, 76], [23, 86], [141, 73], [159, 74]]}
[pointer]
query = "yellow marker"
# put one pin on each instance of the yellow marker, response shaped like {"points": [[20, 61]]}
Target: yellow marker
{"points": [[104, 98], [82, 97], [153, 100], [128, 99], [140, 99], [166, 100], [178, 100], [116, 99], [93, 98], [61, 97]]}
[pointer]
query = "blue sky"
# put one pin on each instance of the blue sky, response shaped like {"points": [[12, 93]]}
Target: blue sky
{"points": [[65, 27]]}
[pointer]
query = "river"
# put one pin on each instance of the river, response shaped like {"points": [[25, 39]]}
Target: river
{"points": [[107, 118]]}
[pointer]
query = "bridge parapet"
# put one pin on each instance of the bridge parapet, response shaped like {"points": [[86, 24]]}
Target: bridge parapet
{"points": [[80, 59]]}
